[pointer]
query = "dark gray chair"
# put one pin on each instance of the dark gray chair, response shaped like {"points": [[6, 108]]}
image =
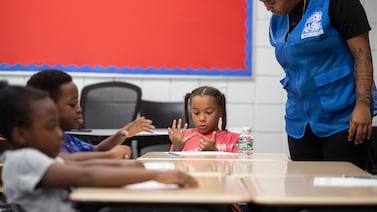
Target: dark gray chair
{"points": [[162, 114], [110, 105], [3, 83]]}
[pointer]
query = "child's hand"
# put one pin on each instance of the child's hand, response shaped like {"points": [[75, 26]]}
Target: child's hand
{"points": [[176, 135], [207, 144], [139, 125], [176, 177], [121, 152]]}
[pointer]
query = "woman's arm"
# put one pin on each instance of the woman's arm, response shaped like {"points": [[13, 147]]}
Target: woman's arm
{"points": [[361, 119]]}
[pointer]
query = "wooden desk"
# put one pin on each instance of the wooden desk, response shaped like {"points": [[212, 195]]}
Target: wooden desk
{"points": [[218, 189], [258, 167], [263, 184], [207, 155], [221, 167], [296, 188], [219, 183]]}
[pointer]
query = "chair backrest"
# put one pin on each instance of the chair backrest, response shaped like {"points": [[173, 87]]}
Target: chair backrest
{"points": [[110, 105], [162, 113], [3, 83], [154, 148]]}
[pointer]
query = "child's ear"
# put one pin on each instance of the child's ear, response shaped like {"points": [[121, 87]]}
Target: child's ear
{"points": [[19, 135]]}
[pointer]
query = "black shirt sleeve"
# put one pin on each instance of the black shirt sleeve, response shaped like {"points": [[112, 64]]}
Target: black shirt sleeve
{"points": [[348, 17]]}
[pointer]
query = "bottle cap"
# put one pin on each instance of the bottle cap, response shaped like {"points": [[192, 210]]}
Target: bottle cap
{"points": [[247, 129]]}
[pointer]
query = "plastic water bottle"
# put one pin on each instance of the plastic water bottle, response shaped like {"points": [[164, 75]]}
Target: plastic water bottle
{"points": [[245, 143]]}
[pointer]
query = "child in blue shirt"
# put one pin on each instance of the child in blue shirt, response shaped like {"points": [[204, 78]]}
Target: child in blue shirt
{"points": [[64, 92]]}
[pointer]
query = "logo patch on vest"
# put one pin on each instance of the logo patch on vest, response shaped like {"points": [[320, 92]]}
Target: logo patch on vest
{"points": [[313, 26]]}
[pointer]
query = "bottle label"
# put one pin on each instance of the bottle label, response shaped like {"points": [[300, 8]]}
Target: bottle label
{"points": [[245, 144]]}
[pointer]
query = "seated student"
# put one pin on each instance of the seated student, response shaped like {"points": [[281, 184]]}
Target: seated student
{"points": [[65, 94], [35, 177], [207, 106]]}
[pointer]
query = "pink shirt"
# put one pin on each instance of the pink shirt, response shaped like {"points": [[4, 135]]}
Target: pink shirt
{"points": [[226, 141]]}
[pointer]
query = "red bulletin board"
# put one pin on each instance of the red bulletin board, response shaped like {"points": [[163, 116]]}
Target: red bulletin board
{"points": [[175, 37]]}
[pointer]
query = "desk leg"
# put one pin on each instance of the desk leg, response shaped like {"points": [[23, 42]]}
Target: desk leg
{"points": [[135, 152]]}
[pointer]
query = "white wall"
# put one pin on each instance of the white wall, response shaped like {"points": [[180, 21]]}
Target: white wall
{"points": [[257, 102]]}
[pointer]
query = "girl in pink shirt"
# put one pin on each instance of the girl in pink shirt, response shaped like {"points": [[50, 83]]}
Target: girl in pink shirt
{"points": [[208, 107]]}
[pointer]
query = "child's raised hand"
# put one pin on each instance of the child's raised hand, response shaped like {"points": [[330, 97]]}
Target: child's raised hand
{"points": [[177, 133], [139, 125], [207, 144], [176, 177]]}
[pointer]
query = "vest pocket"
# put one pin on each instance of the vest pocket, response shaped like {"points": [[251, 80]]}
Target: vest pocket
{"points": [[290, 105], [336, 90]]}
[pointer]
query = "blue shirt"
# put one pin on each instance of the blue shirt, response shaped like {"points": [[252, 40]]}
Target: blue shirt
{"points": [[73, 144]]}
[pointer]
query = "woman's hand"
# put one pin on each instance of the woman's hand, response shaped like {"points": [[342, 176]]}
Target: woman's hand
{"points": [[360, 124]]}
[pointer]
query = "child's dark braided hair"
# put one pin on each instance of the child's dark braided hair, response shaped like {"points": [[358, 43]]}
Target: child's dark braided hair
{"points": [[209, 91]]}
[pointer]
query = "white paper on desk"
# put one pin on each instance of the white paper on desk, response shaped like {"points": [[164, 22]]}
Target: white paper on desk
{"points": [[203, 153], [151, 185], [343, 182], [163, 166]]}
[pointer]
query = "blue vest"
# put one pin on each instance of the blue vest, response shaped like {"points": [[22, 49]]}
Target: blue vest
{"points": [[319, 72]]}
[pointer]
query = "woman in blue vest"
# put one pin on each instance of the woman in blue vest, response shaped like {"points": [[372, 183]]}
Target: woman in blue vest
{"points": [[323, 47]]}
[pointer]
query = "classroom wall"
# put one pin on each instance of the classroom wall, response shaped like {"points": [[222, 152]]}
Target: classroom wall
{"points": [[257, 102]]}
